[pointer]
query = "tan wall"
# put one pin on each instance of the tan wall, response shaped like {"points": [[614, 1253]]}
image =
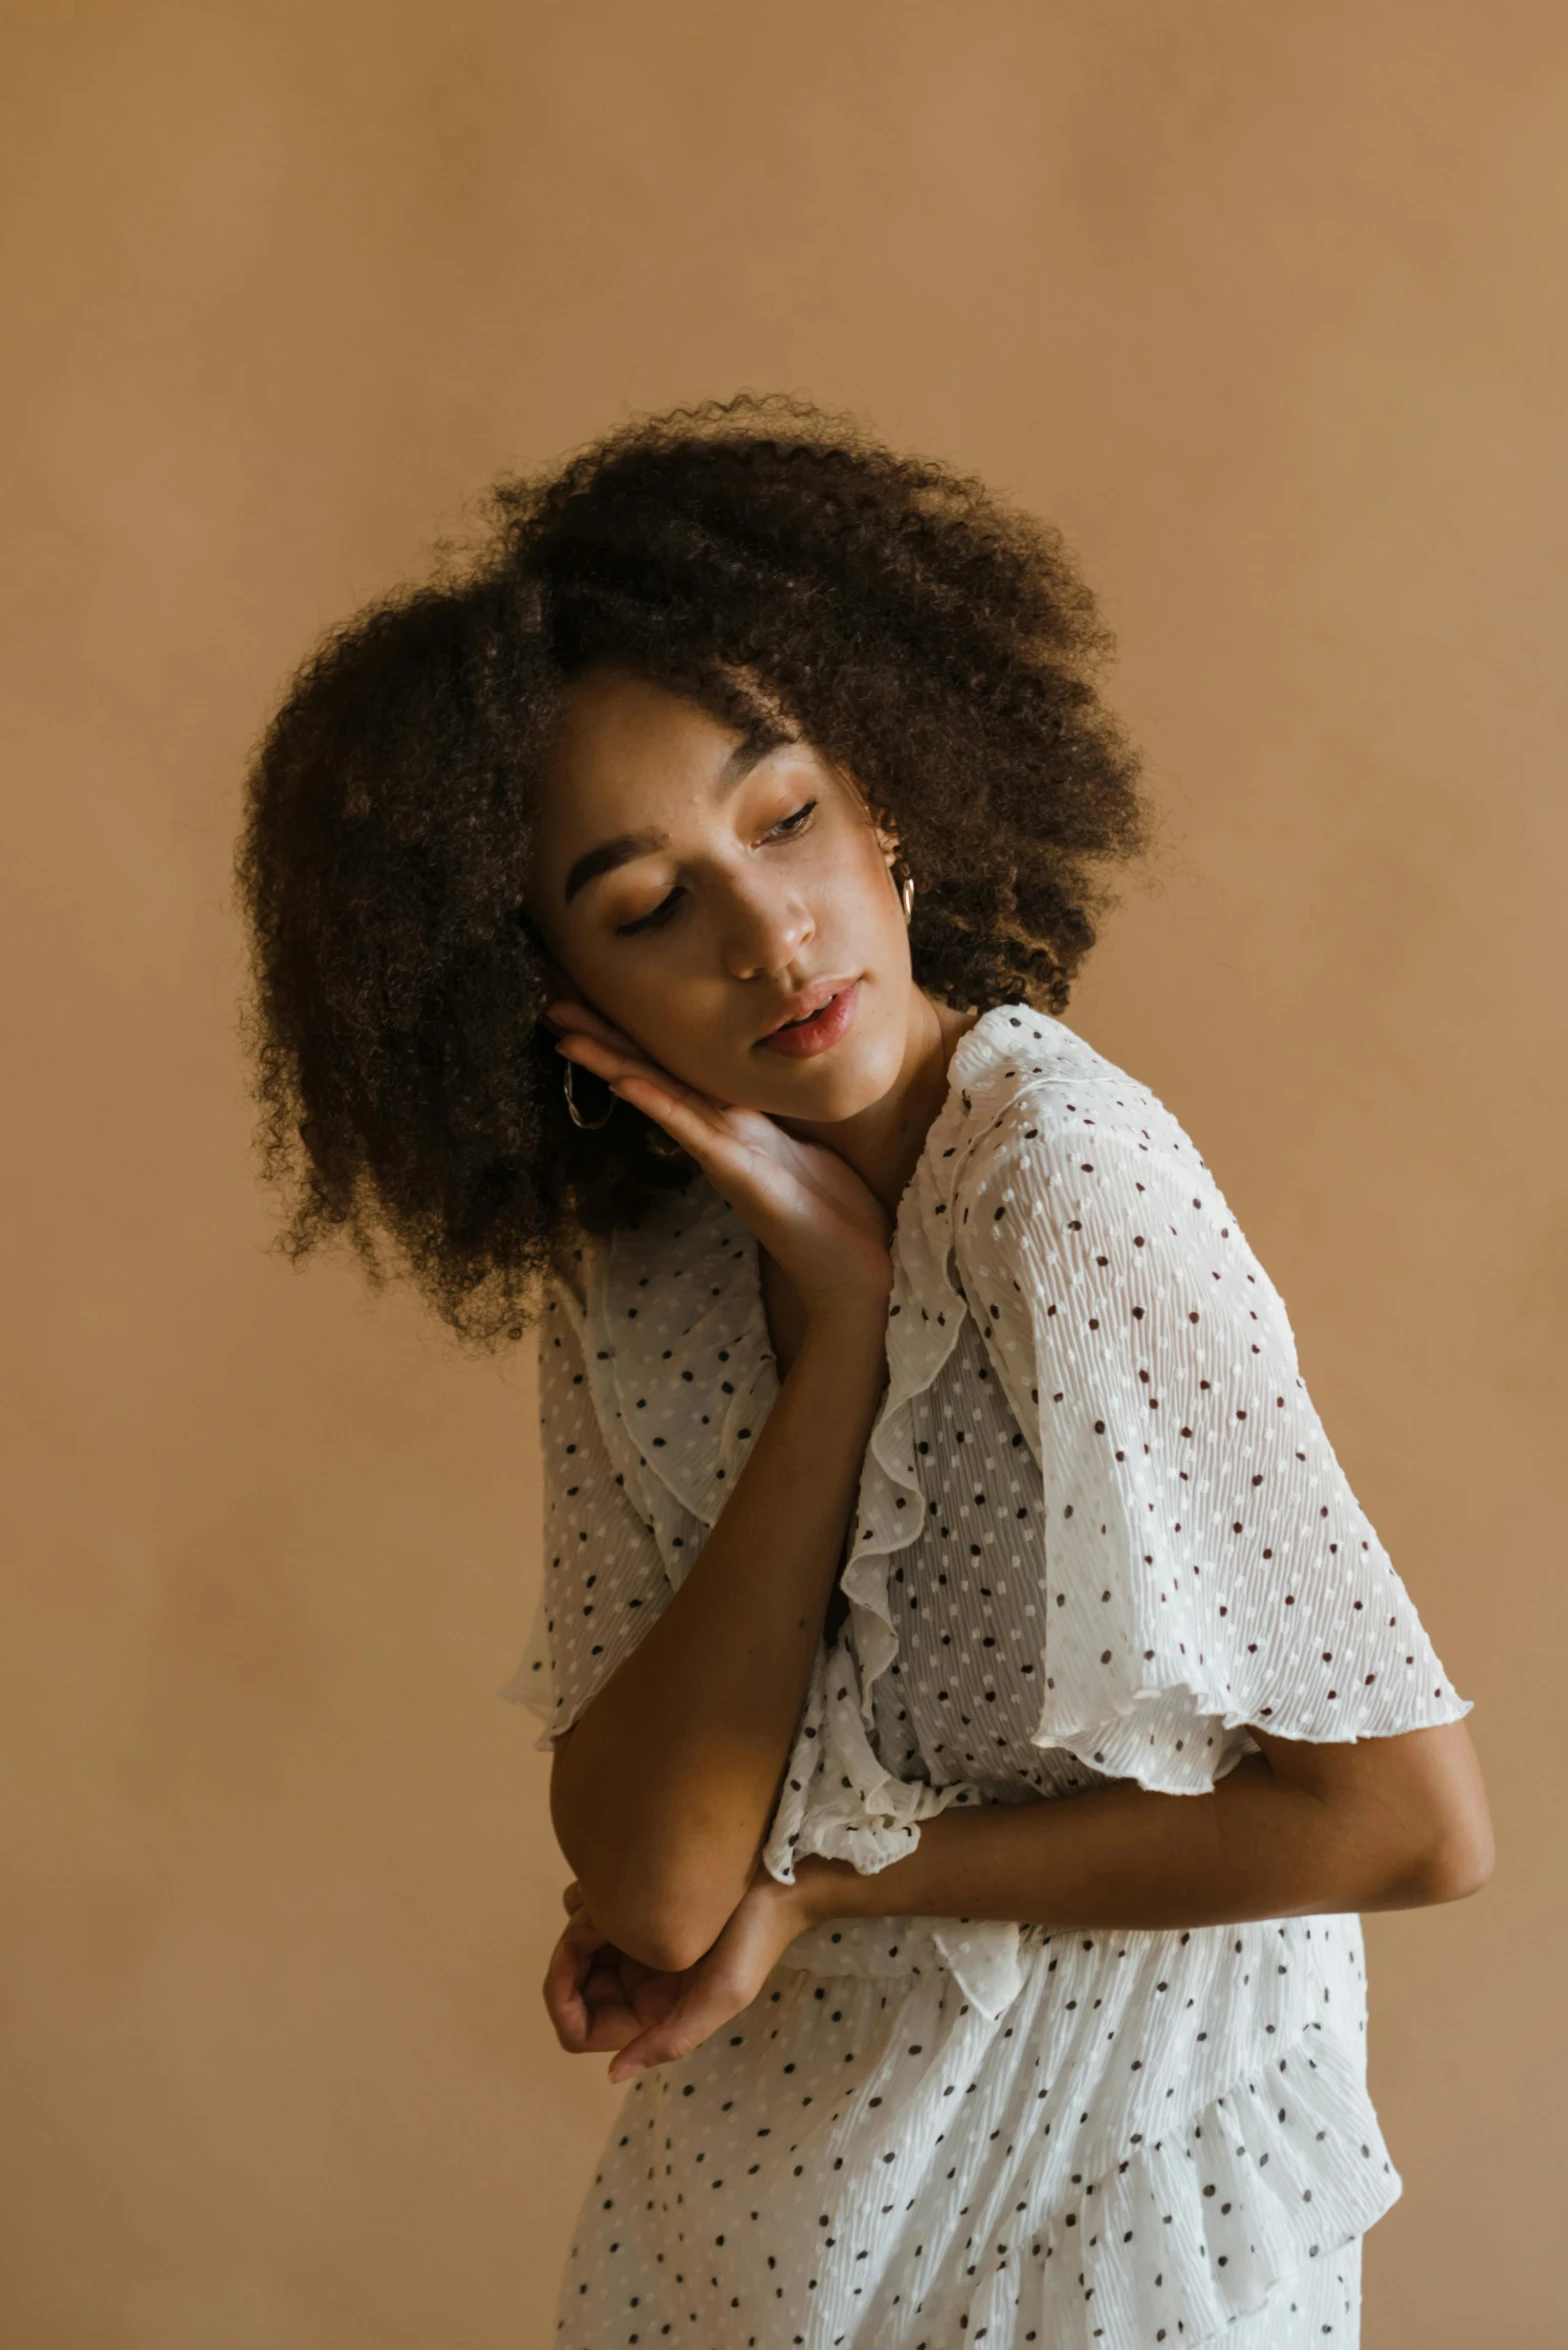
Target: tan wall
{"points": [[1264, 304]]}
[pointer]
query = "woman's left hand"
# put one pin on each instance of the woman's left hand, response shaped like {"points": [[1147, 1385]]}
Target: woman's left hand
{"points": [[595, 1995], [649, 2017]]}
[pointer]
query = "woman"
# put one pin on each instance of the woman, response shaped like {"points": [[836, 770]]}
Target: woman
{"points": [[660, 925]]}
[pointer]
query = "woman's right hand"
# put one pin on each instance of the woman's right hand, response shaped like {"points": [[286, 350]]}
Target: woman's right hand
{"points": [[819, 1221]]}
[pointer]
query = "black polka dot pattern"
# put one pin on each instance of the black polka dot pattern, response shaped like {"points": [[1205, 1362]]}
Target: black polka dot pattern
{"points": [[1099, 1530]]}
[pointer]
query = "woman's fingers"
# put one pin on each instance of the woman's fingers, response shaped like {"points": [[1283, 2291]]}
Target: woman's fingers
{"points": [[612, 2020], [575, 1019], [651, 1996], [571, 1965], [597, 1997], [694, 1120], [594, 1034], [563, 1990], [618, 1062], [730, 1143], [815, 1215], [719, 1134], [707, 2001]]}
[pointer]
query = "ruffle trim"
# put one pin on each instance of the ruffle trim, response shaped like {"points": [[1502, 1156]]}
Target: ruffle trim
{"points": [[927, 1311], [1160, 1688], [1178, 1738], [1283, 2169], [534, 1686], [839, 1801]]}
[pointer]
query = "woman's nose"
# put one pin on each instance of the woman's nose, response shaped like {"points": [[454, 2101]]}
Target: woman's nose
{"points": [[764, 929]]}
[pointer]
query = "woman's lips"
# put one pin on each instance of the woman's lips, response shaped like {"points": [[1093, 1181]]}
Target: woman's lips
{"points": [[824, 1027]]}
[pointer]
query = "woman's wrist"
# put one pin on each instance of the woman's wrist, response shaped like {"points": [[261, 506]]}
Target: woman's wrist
{"points": [[841, 1365], [828, 1889], [797, 1906], [922, 1884], [859, 1323]]}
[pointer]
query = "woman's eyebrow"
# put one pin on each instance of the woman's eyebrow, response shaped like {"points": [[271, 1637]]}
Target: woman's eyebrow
{"points": [[748, 753]]}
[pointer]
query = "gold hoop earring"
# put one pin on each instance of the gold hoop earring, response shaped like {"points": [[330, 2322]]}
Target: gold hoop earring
{"points": [[906, 890], [576, 1115]]}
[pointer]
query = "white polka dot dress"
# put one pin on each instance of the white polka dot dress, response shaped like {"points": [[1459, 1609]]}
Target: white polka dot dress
{"points": [[1099, 1530]]}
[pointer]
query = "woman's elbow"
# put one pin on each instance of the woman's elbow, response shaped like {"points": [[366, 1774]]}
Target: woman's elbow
{"points": [[672, 1941], [662, 1892], [664, 1907], [1461, 1862], [1453, 1860], [667, 1928], [1412, 1810]]}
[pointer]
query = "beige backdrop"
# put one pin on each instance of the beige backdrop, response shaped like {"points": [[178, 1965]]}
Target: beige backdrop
{"points": [[1265, 305]]}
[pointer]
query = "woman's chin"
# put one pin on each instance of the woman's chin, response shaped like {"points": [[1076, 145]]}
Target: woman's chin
{"points": [[834, 1085]]}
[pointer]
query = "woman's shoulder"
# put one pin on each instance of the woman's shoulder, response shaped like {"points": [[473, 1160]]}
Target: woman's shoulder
{"points": [[1038, 1100], [1081, 1173]]}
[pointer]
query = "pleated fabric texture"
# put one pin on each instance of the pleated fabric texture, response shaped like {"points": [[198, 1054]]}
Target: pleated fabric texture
{"points": [[1099, 1530]]}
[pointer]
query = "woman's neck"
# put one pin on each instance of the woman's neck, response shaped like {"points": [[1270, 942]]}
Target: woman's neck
{"points": [[883, 1143]]}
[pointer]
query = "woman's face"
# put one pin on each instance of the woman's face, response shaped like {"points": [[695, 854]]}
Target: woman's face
{"points": [[697, 887]]}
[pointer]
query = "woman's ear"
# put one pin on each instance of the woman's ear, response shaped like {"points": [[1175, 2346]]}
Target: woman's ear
{"points": [[565, 991], [887, 835], [559, 985]]}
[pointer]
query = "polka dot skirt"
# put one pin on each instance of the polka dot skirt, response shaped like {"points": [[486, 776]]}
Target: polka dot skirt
{"points": [[1100, 1529]]}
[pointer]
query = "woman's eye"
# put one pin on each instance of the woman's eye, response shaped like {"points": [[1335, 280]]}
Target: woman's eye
{"points": [[658, 915], [655, 919]]}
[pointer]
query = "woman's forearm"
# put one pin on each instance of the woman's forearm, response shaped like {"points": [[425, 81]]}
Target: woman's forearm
{"points": [[662, 1790], [1122, 1856]]}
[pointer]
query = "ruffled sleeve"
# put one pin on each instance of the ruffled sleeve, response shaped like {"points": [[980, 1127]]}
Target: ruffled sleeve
{"points": [[1206, 1564], [604, 1577]]}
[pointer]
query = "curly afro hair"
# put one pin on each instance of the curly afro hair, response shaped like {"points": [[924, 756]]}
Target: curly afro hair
{"points": [[755, 555]]}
